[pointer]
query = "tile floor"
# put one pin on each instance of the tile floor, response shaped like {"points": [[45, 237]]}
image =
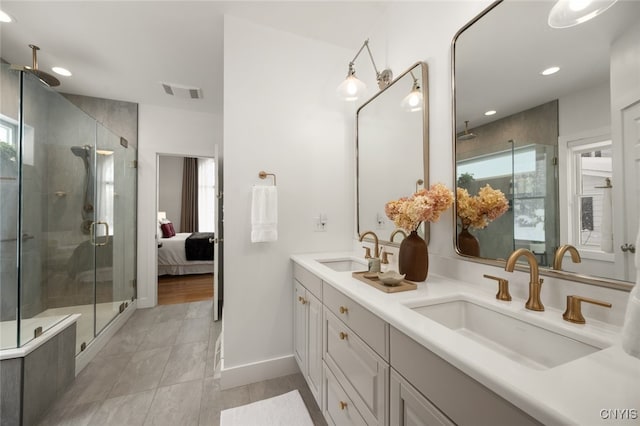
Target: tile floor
{"points": [[158, 370]]}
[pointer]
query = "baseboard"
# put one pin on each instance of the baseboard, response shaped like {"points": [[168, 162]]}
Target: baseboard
{"points": [[257, 371], [85, 357]]}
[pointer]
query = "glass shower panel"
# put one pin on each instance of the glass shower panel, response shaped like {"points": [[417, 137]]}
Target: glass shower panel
{"points": [[127, 206], [107, 237], [9, 212], [57, 256]]}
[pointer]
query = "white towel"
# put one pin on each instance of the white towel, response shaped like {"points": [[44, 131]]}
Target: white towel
{"points": [[264, 214], [631, 327], [606, 224]]}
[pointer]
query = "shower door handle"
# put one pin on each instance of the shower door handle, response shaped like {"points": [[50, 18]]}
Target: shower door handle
{"points": [[93, 234]]}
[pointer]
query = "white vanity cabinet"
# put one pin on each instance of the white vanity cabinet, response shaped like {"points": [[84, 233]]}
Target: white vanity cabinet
{"points": [[356, 344], [444, 391], [307, 328]]}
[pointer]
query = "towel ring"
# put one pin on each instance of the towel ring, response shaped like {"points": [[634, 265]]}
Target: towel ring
{"points": [[263, 175]]}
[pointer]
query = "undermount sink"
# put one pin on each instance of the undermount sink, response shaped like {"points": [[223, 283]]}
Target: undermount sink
{"points": [[530, 345], [344, 265]]}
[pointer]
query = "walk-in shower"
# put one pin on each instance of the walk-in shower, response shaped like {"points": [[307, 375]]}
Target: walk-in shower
{"points": [[67, 217]]}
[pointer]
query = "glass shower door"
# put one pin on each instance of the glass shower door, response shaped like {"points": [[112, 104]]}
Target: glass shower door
{"points": [[106, 236]]}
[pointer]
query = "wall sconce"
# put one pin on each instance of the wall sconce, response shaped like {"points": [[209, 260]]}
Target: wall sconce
{"points": [[413, 101], [352, 88], [567, 13]]}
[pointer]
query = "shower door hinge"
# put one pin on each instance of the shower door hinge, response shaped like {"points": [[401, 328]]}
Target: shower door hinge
{"points": [[121, 308], [554, 161], [134, 164], [37, 332], [83, 346], [124, 142]]}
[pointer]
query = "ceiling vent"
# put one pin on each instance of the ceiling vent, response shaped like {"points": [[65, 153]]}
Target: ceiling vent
{"points": [[181, 91]]}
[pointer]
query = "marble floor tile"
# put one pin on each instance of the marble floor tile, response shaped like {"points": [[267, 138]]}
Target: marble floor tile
{"points": [[129, 410], [203, 309], [194, 330], [210, 403], [142, 373], [186, 363], [73, 415], [171, 312], [270, 388], [96, 380], [176, 405], [127, 339], [162, 335]]}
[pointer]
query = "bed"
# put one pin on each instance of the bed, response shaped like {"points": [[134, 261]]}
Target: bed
{"points": [[174, 254]]}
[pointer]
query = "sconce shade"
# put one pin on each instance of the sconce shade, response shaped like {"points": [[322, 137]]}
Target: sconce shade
{"points": [[351, 88], [413, 101], [567, 13]]}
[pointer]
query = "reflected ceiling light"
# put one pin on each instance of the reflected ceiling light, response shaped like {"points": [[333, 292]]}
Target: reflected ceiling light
{"points": [[466, 135], [5, 17], [61, 71], [413, 101], [490, 112], [352, 88], [567, 13], [550, 70]]}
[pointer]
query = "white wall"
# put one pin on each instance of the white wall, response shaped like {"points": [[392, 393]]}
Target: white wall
{"points": [[170, 188], [281, 116], [585, 110], [164, 131]]}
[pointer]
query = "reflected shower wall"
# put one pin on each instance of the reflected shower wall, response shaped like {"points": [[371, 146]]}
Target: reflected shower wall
{"points": [[71, 189]]}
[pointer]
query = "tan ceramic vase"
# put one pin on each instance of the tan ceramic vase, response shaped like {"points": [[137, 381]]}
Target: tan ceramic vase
{"points": [[468, 244], [413, 259]]}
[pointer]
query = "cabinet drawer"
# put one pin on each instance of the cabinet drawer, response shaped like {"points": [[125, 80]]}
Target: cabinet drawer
{"points": [[307, 279], [360, 371], [373, 330], [409, 408], [461, 398], [338, 407]]}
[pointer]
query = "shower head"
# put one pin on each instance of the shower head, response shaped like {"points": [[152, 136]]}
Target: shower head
{"points": [[81, 151], [466, 135], [44, 77]]}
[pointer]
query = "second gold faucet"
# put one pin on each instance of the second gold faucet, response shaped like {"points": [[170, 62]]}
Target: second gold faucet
{"points": [[535, 282]]}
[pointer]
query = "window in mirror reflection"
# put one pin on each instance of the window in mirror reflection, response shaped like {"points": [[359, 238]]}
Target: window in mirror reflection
{"points": [[522, 173], [590, 214]]}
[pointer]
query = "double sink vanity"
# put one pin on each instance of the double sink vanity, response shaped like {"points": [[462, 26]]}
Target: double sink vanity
{"points": [[448, 353]]}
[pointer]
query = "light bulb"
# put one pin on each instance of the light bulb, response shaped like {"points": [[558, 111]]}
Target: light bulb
{"points": [[413, 101], [578, 5], [351, 88]]}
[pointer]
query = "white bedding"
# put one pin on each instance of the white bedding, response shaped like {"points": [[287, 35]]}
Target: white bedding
{"points": [[172, 259]]}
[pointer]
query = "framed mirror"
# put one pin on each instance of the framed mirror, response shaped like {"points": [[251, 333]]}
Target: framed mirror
{"points": [[544, 115], [392, 150]]}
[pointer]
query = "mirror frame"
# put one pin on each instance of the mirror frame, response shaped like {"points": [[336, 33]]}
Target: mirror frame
{"points": [[425, 146], [564, 275]]}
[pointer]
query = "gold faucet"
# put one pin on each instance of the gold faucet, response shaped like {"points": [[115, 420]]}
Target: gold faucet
{"points": [[557, 258], [535, 283], [397, 231], [376, 251]]}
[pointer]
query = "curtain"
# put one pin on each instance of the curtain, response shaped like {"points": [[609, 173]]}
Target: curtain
{"points": [[206, 194], [189, 208]]}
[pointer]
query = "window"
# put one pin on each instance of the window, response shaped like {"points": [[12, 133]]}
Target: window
{"points": [[591, 165], [206, 194]]}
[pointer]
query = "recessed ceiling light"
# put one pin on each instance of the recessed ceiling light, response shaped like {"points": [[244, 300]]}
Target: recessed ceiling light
{"points": [[5, 17], [61, 71], [490, 112], [550, 70]]}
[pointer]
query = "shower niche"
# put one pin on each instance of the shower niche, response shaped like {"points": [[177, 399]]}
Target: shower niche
{"points": [[68, 215]]}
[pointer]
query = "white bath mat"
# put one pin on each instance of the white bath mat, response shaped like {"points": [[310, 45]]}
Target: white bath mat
{"points": [[284, 410]]}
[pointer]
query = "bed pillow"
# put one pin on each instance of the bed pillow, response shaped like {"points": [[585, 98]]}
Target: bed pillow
{"points": [[167, 230]]}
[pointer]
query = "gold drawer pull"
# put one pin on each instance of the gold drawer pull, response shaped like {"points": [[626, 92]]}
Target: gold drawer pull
{"points": [[344, 309], [343, 405], [343, 335], [302, 300]]}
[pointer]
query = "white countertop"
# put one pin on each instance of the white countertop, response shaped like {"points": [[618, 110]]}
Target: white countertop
{"points": [[571, 393]]}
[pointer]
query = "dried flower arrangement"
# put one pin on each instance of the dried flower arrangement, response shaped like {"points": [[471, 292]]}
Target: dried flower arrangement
{"points": [[479, 210], [425, 205]]}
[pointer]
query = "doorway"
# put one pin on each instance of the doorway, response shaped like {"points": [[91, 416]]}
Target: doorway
{"points": [[187, 229]]}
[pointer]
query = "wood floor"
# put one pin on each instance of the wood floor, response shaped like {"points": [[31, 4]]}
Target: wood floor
{"points": [[184, 288]]}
